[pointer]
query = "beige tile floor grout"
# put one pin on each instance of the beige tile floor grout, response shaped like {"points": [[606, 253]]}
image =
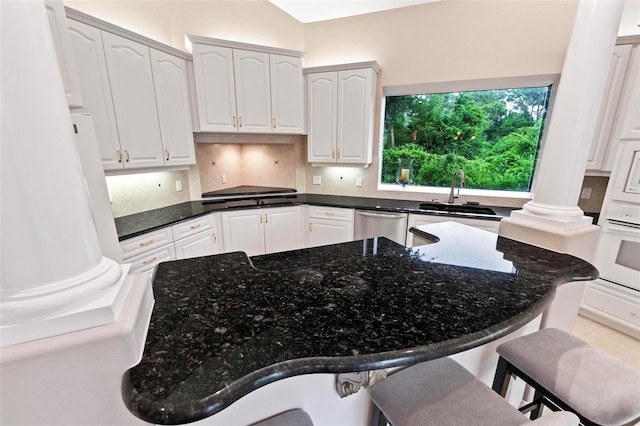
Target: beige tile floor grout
{"points": [[614, 342]]}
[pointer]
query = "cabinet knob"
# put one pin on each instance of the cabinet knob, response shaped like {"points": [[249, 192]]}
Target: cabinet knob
{"points": [[195, 226], [333, 153], [126, 155], [234, 121], [215, 239], [166, 152], [310, 227], [338, 152], [239, 121], [146, 243], [266, 218], [274, 122], [146, 262], [119, 153]]}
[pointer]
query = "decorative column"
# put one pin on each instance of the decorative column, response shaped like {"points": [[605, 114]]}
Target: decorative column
{"points": [[54, 278], [552, 219]]}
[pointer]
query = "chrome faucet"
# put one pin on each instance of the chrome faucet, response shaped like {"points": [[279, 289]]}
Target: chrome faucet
{"points": [[452, 197]]}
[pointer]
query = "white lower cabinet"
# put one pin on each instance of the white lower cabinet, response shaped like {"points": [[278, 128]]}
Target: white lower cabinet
{"points": [[261, 231], [196, 237], [613, 305], [423, 219], [329, 225], [147, 250]]}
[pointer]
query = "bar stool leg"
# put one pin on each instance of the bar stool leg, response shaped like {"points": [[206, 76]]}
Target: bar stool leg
{"points": [[502, 377]]}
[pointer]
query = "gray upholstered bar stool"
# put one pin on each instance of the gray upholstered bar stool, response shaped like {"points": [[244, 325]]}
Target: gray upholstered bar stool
{"points": [[569, 374], [442, 393], [288, 418]]}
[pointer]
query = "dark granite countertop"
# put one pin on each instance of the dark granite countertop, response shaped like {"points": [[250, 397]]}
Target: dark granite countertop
{"points": [[137, 224], [225, 325]]}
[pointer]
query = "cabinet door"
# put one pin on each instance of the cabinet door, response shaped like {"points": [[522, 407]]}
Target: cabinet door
{"points": [[287, 94], [201, 244], [64, 52], [134, 101], [243, 230], [630, 108], [603, 140], [356, 93], [215, 92], [253, 92], [322, 100], [323, 232], [283, 229], [87, 47], [172, 97]]}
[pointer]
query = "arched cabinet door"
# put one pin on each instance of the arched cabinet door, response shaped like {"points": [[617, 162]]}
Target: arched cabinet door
{"points": [[134, 101], [172, 98]]}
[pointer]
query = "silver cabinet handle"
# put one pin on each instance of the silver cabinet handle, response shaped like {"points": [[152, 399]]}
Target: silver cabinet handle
{"points": [[166, 151]]}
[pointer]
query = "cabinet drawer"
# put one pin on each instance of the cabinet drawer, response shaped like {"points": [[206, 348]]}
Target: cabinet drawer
{"points": [[616, 302], [149, 259], [331, 213], [193, 226], [149, 241]]}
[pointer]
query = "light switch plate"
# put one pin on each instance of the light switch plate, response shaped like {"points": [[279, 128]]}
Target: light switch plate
{"points": [[317, 180], [359, 181]]}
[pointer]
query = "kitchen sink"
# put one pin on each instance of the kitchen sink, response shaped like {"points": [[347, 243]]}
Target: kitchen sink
{"points": [[458, 208]]}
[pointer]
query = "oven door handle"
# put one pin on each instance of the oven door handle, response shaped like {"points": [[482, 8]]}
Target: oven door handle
{"points": [[617, 228]]}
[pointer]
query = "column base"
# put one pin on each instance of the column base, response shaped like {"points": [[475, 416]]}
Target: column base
{"points": [[103, 309], [575, 237]]}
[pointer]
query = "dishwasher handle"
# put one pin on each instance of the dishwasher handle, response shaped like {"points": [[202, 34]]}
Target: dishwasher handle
{"points": [[385, 215]]}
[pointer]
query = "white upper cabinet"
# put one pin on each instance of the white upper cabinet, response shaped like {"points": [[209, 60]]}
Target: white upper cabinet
{"points": [[356, 96], [607, 133], [255, 89], [172, 98], [94, 81], [64, 52], [287, 94], [630, 105], [341, 107], [253, 92], [134, 101], [215, 94], [322, 101], [137, 94]]}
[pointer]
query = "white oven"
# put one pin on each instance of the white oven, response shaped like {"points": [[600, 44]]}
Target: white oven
{"points": [[618, 254]]}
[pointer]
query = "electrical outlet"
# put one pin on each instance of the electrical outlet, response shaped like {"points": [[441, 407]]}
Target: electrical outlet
{"points": [[586, 193], [178, 185], [359, 181], [224, 178], [317, 180]]}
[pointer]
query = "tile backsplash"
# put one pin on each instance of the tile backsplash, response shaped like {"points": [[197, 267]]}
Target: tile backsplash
{"points": [[140, 192], [223, 165]]}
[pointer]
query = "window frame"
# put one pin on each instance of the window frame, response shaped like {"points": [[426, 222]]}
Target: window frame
{"points": [[498, 83]]}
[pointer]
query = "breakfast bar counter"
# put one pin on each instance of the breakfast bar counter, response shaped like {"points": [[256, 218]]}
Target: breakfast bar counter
{"points": [[225, 325]]}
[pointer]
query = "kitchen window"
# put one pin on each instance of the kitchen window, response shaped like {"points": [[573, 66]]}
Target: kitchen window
{"points": [[492, 130]]}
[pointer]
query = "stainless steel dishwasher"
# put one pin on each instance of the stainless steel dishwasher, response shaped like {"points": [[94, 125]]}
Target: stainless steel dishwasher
{"points": [[369, 224]]}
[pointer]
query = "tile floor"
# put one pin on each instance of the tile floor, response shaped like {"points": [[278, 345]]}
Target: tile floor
{"points": [[616, 343]]}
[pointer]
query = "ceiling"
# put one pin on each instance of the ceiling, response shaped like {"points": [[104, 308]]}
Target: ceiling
{"points": [[307, 11]]}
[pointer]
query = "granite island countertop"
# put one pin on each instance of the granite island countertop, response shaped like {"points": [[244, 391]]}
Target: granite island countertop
{"points": [[225, 325]]}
